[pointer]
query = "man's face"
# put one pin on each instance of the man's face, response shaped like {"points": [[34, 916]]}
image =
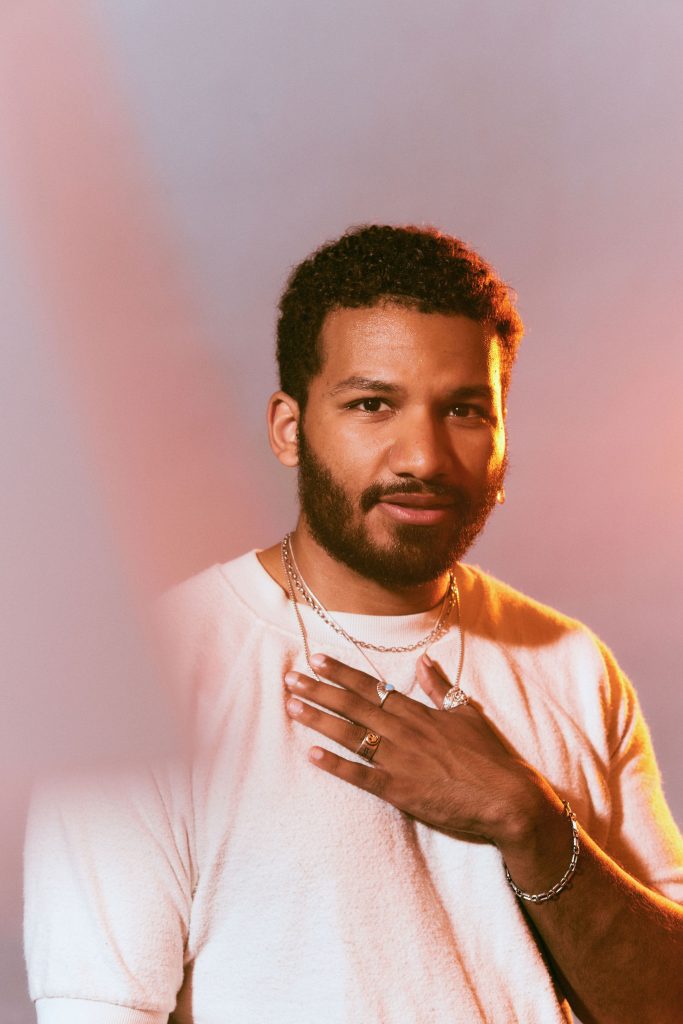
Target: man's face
{"points": [[402, 444]]}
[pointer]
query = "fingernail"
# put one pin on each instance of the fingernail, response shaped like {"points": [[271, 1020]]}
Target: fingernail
{"points": [[427, 660], [318, 659], [316, 754], [294, 706], [293, 681]]}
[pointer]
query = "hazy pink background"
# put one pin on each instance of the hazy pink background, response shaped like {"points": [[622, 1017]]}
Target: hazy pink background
{"points": [[164, 164]]}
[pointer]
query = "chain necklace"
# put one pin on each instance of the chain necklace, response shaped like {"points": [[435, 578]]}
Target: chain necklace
{"points": [[450, 599], [294, 579]]}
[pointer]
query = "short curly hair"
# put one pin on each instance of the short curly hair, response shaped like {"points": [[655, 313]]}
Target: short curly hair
{"points": [[417, 267]]}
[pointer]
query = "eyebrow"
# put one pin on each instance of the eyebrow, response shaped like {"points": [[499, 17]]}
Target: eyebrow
{"points": [[356, 383], [364, 384]]}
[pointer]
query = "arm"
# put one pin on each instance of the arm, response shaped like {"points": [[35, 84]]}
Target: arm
{"points": [[107, 897], [616, 945]]}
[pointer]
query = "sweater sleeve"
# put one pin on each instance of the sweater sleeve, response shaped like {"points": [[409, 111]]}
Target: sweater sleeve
{"points": [[643, 835], [108, 888], [87, 1011]]}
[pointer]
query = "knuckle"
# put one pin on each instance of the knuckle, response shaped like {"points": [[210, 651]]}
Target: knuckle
{"points": [[354, 735], [347, 704], [373, 719], [395, 702], [377, 782]]}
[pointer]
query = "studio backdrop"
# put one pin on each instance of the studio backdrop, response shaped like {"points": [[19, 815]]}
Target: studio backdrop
{"points": [[163, 167]]}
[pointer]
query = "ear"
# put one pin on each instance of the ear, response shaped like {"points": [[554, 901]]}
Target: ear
{"points": [[283, 426]]}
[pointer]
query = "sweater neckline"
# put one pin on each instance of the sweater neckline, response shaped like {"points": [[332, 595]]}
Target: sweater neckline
{"points": [[267, 600]]}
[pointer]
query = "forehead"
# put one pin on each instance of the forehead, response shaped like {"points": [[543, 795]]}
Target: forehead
{"points": [[394, 342]]}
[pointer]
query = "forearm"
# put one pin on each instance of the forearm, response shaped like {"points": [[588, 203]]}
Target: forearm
{"points": [[617, 946]]}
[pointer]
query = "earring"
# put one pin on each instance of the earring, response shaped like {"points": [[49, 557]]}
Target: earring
{"points": [[500, 496]]}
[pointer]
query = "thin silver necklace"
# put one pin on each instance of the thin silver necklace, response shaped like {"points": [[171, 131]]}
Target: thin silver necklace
{"points": [[295, 579], [450, 600]]}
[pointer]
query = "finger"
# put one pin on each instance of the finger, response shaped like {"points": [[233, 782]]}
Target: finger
{"points": [[345, 703], [372, 780], [432, 680], [347, 734], [352, 679], [363, 684]]}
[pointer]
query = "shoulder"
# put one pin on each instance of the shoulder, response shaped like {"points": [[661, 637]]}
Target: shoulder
{"points": [[553, 652], [513, 616], [203, 617], [204, 595]]}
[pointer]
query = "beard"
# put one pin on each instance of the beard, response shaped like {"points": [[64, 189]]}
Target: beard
{"points": [[417, 554]]}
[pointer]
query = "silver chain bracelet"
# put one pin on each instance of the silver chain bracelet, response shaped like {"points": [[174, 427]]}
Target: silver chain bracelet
{"points": [[551, 894]]}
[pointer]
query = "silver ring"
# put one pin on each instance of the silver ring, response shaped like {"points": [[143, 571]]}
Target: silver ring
{"points": [[455, 698], [369, 744], [383, 691]]}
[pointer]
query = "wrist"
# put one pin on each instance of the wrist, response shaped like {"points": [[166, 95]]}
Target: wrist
{"points": [[565, 881], [527, 807], [540, 850]]}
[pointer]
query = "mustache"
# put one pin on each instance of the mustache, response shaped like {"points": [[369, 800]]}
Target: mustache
{"points": [[376, 492]]}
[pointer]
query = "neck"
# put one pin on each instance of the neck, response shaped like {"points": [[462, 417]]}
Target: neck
{"points": [[341, 589]]}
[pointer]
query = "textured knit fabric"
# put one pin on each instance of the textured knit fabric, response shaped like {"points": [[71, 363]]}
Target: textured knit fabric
{"points": [[255, 888]]}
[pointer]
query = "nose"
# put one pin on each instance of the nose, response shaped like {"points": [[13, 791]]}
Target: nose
{"points": [[421, 449]]}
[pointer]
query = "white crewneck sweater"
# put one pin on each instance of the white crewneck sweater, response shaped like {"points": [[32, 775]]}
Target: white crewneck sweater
{"points": [[258, 889]]}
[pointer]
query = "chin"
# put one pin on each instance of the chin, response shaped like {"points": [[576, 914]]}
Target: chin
{"points": [[405, 561]]}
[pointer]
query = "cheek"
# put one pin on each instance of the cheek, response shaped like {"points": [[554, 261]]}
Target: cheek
{"points": [[480, 453], [482, 462], [356, 471], [357, 458], [351, 466]]}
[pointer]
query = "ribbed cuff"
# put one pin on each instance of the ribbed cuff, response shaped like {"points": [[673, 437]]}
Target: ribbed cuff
{"points": [[87, 1011]]}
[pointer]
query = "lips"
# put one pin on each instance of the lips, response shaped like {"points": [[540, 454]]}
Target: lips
{"points": [[428, 501], [417, 509]]}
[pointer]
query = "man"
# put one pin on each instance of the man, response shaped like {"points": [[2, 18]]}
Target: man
{"points": [[415, 794]]}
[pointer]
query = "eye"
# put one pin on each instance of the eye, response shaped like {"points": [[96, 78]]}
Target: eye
{"points": [[463, 410], [368, 404]]}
